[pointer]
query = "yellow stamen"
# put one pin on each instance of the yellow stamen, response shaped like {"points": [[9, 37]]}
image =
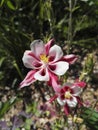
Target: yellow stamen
{"points": [[44, 58], [67, 95]]}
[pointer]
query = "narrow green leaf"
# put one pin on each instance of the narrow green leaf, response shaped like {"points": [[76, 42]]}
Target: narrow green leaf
{"points": [[2, 2], [10, 5], [1, 61], [74, 9], [6, 106]]}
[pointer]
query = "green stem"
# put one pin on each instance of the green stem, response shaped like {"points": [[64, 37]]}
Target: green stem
{"points": [[70, 26], [18, 70]]}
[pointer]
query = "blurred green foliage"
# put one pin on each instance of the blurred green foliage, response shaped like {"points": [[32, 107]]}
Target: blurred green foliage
{"points": [[5, 106], [90, 118]]}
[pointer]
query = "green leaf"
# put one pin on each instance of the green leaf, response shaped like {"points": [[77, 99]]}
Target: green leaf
{"points": [[17, 129], [28, 124], [7, 105], [2, 2], [74, 9], [10, 5], [1, 61], [90, 117]]}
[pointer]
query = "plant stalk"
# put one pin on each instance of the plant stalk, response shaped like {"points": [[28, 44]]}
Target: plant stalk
{"points": [[70, 26], [18, 70]]}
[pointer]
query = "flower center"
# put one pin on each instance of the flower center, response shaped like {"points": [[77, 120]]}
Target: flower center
{"points": [[68, 95], [44, 58]]}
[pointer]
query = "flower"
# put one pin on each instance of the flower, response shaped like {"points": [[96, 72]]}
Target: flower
{"points": [[46, 62], [68, 95]]}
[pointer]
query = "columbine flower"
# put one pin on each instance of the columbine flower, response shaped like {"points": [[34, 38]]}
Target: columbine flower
{"points": [[68, 95], [46, 62]]}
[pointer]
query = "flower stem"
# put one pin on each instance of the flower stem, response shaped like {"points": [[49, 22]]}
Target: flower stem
{"points": [[18, 70], [70, 26]]}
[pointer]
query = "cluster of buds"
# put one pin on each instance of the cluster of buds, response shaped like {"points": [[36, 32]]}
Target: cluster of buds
{"points": [[74, 119], [47, 62]]}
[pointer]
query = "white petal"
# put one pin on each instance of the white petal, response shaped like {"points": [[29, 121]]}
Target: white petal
{"points": [[30, 61], [29, 79], [67, 84], [76, 90], [59, 68], [48, 45], [70, 58], [72, 102], [42, 75], [37, 47], [56, 52], [53, 81], [61, 102]]}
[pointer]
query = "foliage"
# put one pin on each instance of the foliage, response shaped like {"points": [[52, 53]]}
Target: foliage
{"points": [[4, 107], [90, 118]]}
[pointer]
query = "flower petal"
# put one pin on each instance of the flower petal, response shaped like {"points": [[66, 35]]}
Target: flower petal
{"points": [[70, 58], [79, 101], [80, 84], [52, 98], [48, 45], [61, 102], [30, 61], [76, 90], [42, 75], [55, 52], [66, 109], [53, 81], [37, 47], [67, 84], [29, 79], [72, 102], [59, 68]]}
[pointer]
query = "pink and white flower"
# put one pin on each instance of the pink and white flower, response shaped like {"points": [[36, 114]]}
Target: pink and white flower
{"points": [[68, 95], [46, 62]]}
